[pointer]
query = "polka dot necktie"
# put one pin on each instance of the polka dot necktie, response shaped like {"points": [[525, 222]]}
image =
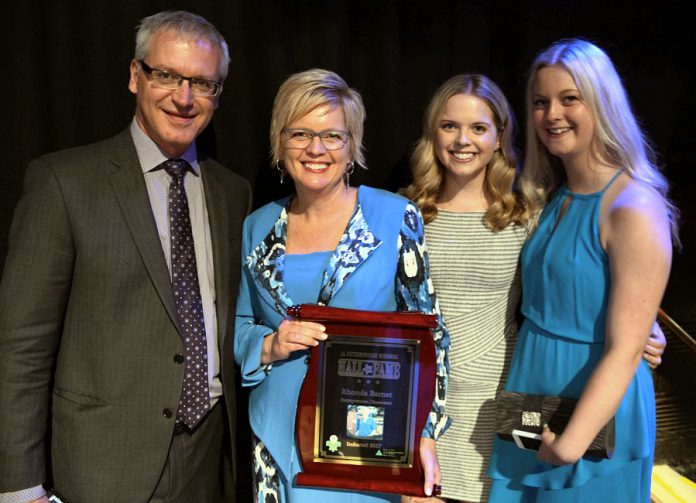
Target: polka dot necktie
{"points": [[195, 398]]}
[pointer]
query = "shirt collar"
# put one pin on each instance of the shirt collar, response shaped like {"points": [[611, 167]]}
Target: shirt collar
{"points": [[151, 155]]}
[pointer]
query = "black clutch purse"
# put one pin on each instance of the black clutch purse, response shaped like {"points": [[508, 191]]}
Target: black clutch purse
{"points": [[521, 417]]}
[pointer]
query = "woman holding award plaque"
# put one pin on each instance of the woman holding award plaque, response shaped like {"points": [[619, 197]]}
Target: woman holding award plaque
{"points": [[593, 275], [329, 244]]}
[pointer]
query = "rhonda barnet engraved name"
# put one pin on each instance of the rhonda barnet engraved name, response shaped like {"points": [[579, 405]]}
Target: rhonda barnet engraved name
{"points": [[361, 392]]}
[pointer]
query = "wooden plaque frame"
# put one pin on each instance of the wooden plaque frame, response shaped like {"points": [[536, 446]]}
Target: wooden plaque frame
{"points": [[376, 369]]}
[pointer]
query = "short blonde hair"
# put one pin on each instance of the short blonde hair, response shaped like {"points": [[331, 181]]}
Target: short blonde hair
{"points": [[618, 137], [501, 173], [306, 91]]}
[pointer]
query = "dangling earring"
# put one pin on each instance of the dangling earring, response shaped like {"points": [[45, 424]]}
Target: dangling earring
{"points": [[281, 170], [350, 167]]}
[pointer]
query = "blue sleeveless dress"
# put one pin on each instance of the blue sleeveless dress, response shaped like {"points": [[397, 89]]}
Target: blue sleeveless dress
{"points": [[565, 284]]}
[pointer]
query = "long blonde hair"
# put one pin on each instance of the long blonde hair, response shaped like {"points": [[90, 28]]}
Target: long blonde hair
{"points": [[507, 205], [618, 138]]}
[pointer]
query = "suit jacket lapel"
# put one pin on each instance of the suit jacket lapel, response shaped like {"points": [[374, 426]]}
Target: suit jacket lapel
{"points": [[219, 233], [129, 186]]}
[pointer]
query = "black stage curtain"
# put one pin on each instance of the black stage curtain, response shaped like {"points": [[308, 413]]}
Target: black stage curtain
{"points": [[66, 72]]}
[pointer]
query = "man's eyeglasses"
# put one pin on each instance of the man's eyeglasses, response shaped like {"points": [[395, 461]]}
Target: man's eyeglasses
{"points": [[168, 80], [301, 138]]}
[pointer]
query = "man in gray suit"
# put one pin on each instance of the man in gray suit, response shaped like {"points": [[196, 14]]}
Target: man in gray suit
{"points": [[94, 332]]}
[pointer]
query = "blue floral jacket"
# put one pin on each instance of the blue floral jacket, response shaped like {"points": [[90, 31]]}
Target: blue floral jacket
{"points": [[380, 264]]}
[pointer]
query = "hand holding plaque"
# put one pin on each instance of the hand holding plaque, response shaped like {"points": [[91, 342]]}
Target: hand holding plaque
{"points": [[291, 336], [365, 400]]}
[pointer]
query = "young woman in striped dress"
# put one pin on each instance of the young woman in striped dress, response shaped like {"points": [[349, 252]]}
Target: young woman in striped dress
{"points": [[464, 172]]}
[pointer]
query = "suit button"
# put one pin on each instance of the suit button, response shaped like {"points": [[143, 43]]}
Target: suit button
{"points": [[178, 358], [167, 413], [307, 359]]}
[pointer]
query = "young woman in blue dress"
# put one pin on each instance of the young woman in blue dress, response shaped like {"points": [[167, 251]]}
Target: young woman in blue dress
{"points": [[593, 274]]}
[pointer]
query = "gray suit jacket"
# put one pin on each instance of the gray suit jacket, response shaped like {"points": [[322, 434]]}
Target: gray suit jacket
{"points": [[88, 326]]}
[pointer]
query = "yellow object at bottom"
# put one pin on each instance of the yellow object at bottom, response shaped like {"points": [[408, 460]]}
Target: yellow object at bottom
{"points": [[670, 487]]}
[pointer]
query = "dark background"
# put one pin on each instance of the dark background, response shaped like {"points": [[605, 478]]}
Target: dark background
{"points": [[65, 77], [66, 74]]}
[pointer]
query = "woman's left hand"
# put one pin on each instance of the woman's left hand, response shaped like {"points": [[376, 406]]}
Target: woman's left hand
{"points": [[431, 466], [418, 499], [431, 469], [553, 449]]}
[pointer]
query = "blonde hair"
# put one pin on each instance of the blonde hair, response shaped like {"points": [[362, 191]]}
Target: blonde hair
{"points": [[618, 138], [507, 206], [306, 91]]}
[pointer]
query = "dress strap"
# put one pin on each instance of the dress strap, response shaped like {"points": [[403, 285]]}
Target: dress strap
{"points": [[613, 179]]}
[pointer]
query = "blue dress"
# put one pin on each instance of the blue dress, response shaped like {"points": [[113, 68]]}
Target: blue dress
{"points": [[380, 264], [565, 284], [303, 274]]}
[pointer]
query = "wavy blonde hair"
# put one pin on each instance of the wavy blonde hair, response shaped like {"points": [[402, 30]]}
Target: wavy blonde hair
{"points": [[618, 139], [306, 91], [507, 206]]}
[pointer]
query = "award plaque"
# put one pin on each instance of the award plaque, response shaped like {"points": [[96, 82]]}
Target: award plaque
{"points": [[365, 400]]}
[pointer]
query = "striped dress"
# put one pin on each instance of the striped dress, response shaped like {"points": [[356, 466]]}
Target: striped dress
{"points": [[476, 276]]}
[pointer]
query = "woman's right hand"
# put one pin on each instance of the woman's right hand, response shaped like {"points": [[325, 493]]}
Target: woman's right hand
{"points": [[291, 336], [657, 342], [555, 451]]}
